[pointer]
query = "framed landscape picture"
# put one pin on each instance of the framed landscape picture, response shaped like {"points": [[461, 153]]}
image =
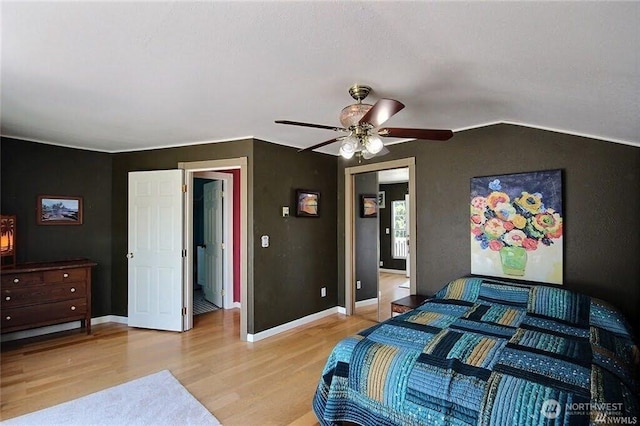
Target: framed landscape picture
{"points": [[369, 205], [307, 203], [59, 210]]}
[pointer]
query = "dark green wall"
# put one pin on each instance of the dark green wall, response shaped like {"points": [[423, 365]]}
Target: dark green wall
{"points": [[158, 159], [601, 203], [601, 187], [366, 239], [393, 192], [30, 169], [301, 258]]}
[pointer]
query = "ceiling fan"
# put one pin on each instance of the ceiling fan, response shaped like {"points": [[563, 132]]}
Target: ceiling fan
{"points": [[361, 123]]}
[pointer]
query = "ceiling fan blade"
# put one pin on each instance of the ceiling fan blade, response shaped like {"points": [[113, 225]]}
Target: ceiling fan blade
{"points": [[317, 126], [383, 151], [381, 111], [320, 145], [431, 134]]}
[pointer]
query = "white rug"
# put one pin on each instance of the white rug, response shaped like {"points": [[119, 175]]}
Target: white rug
{"points": [[158, 399]]}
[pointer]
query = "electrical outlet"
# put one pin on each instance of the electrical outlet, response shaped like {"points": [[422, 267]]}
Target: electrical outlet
{"points": [[323, 292], [381, 263], [358, 285]]}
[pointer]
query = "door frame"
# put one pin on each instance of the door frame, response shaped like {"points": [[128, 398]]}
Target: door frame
{"points": [[227, 231], [349, 228], [190, 169]]}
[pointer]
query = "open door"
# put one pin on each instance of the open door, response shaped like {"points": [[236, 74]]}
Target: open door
{"points": [[213, 240], [407, 220], [155, 252]]}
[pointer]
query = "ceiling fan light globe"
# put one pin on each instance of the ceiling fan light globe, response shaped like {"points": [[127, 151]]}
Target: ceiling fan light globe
{"points": [[345, 153], [351, 115], [348, 147], [374, 144], [366, 154], [350, 143]]}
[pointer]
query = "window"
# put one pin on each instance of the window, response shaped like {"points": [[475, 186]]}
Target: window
{"points": [[399, 238]]}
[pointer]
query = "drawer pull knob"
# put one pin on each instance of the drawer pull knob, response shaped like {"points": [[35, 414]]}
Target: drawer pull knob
{"points": [[65, 275], [73, 308], [7, 298], [73, 290], [16, 280], [8, 318]]}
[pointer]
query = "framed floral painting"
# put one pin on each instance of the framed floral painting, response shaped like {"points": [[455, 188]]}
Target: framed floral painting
{"points": [[517, 226]]}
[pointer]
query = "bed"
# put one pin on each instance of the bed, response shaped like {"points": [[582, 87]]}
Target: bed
{"points": [[487, 352]]}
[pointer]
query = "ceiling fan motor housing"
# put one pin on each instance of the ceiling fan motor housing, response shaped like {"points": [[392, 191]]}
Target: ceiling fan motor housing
{"points": [[359, 92]]}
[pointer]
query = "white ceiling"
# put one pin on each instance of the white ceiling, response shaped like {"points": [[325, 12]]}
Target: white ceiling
{"points": [[394, 175], [119, 76]]}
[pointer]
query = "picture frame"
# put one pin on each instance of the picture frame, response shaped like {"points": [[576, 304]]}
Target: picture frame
{"points": [[381, 200], [368, 205], [59, 210], [517, 223], [307, 203]]}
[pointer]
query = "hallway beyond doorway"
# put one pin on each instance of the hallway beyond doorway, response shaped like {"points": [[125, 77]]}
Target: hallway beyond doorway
{"points": [[391, 287]]}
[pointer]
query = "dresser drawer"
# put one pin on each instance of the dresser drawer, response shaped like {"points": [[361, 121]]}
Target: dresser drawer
{"points": [[19, 280], [39, 294], [43, 313], [65, 275], [31, 295]]}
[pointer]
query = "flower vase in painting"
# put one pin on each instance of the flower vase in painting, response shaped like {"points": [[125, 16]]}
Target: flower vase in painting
{"points": [[517, 225]]}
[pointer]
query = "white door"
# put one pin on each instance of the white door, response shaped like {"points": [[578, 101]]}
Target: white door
{"points": [[155, 249], [213, 240], [406, 221]]}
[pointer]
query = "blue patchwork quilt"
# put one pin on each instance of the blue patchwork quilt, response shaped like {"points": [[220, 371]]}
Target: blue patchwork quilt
{"points": [[486, 352]]}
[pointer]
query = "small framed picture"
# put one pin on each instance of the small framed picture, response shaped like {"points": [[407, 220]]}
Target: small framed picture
{"points": [[381, 199], [307, 203], [59, 210], [368, 205]]}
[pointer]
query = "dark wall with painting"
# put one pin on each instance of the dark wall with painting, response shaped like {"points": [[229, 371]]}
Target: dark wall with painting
{"points": [[30, 169], [159, 159], [366, 240], [393, 192], [288, 275], [301, 257], [601, 186]]}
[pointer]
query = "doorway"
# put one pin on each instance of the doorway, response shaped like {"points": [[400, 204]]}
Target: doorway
{"points": [[381, 243], [240, 237], [351, 210], [393, 190], [212, 229]]}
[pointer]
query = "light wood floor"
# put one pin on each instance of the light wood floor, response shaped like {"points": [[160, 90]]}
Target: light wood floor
{"points": [[390, 290], [270, 382]]}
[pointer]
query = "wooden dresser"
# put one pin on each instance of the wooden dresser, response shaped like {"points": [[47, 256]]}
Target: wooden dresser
{"points": [[41, 294]]}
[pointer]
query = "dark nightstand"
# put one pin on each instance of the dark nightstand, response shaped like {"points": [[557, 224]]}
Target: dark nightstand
{"points": [[408, 303]]}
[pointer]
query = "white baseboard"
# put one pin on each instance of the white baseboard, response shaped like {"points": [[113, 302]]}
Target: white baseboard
{"points": [[109, 318], [235, 305], [59, 327], [123, 320], [393, 271], [293, 324], [367, 302]]}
